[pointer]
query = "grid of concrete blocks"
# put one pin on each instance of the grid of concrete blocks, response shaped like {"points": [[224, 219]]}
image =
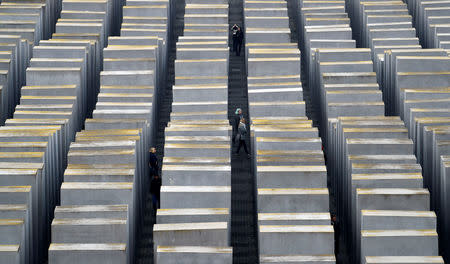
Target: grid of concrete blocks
{"points": [[63, 146], [80, 82], [193, 223]]}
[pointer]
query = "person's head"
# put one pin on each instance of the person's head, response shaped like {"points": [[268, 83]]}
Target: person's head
{"points": [[153, 150], [156, 176], [238, 111]]}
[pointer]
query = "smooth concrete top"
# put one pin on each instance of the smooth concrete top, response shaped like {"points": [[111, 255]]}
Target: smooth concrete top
{"points": [[196, 168], [7, 222], [103, 132], [198, 146], [101, 152], [197, 138], [13, 207], [196, 189], [374, 129], [194, 249], [110, 73], [10, 172], [101, 166], [398, 213], [95, 144], [296, 229], [381, 176], [290, 139], [89, 221], [193, 211], [296, 258], [85, 247], [116, 172], [190, 226], [168, 160], [96, 185], [382, 157], [292, 168], [90, 208], [200, 86], [293, 191], [8, 189], [377, 141], [397, 233], [404, 259], [9, 248], [293, 216], [392, 166], [392, 191]]}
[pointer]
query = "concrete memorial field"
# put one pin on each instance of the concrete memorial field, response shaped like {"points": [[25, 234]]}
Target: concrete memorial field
{"points": [[348, 106]]}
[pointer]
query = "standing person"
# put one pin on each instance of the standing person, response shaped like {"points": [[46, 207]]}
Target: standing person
{"points": [[154, 166], [155, 181], [240, 38], [155, 190], [242, 133], [235, 122], [234, 31]]}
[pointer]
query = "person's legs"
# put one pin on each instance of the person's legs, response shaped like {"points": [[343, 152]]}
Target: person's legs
{"points": [[235, 44], [245, 146], [238, 51], [154, 202], [239, 147]]}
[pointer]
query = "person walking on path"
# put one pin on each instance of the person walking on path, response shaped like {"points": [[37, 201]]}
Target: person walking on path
{"points": [[234, 31], [235, 122], [155, 180], [240, 38], [154, 166], [155, 190], [242, 134]]}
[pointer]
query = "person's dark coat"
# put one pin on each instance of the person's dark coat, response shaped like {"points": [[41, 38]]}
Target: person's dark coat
{"points": [[153, 164], [235, 124], [239, 36], [155, 186]]}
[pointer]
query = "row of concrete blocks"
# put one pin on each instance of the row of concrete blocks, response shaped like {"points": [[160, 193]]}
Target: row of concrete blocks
{"points": [[30, 168], [193, 223], [431, 21], [392, 27], [346, 85], [52, 105], [392, 20], [201, 72], [273, 63], [108, 163], [266, 21], [51, 109], [101, 197], [292, 196], [411, 75], [323, 24], [381, 202], [419, 82], [18, 36], [292, 199]]}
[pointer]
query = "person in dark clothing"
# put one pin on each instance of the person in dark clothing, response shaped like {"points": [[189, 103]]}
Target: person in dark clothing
{"points": [[240, 38], [235, 122], [335, 224], [155, 190], [242, 133], [234, 31], [154, 166]]}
